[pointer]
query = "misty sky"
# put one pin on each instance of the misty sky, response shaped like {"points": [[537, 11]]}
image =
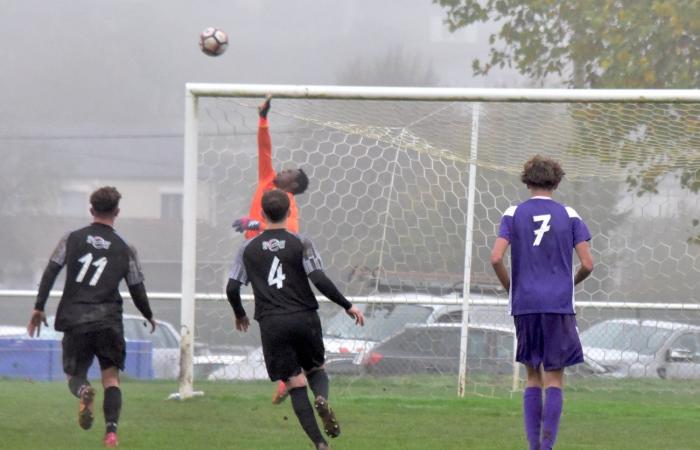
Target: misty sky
{"points": [[76, 67]]}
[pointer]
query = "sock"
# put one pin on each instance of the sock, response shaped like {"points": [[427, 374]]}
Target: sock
{"points": [[111, 407], [318, 380], [554, 400], [532, 414], [76, 383], [305, 414]]}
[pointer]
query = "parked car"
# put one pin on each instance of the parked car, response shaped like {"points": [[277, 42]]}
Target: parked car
{"points": [[642, 348], [165, 340], [344, 341], [435, 349]]}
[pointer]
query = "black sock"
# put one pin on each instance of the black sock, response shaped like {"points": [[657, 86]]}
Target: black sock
{"points": [[111, 407], [75, 383], [318, 380], [305, 414]]}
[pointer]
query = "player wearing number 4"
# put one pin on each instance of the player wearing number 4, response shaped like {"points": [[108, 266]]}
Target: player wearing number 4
{"points": [[90, 310], [543, 235], [292, 181], [279, 265]]}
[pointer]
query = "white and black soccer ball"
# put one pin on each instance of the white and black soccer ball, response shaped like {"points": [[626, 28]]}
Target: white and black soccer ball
{"points": [[213, 41]]}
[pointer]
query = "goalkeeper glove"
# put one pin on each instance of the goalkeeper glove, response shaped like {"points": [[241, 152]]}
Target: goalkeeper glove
{"points": [[245, 224], [264, 107]]}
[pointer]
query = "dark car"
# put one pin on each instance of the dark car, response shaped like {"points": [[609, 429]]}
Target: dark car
{"points": [[434, 349]]}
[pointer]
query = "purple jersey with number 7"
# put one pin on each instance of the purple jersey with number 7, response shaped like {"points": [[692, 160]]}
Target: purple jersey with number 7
{"points": [[542, 234]]}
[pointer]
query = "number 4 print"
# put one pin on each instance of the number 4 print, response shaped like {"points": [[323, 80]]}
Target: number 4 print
{"points": [[539, 233], [276, 276]]}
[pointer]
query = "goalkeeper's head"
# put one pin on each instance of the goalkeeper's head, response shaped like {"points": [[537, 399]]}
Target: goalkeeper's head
{"points": [[293, 181], [542, 173], [275, 206]]}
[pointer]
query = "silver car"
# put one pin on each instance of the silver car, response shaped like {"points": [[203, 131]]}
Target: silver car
{"points": [[642, 348]]}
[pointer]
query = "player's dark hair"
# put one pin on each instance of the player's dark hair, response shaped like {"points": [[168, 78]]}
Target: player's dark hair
{"points": [[105, 200], [275, 204], [543, 173], [302, 182]]}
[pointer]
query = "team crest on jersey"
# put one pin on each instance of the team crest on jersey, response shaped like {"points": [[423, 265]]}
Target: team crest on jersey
{"points": [[273, 245], [98, 242]]}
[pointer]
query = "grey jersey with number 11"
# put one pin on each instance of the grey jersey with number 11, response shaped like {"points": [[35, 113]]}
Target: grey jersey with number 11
{"points": [[96, 260]]}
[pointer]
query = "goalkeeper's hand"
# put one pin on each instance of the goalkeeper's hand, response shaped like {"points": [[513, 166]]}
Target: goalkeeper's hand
{"points": [[245, 224]]}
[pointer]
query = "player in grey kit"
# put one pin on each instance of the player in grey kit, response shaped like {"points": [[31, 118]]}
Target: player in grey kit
{"points": [[543, 236], [90, 311], [279, 265]]}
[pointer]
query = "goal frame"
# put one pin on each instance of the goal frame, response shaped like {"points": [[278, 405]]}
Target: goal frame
{"points": [[193, 91]]}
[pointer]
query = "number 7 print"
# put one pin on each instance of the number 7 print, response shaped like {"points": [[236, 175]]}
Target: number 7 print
{"points": [[539, 233]]}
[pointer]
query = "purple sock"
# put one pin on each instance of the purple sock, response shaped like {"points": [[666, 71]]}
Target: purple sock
{"points": [[532, 413], [554, 400]]}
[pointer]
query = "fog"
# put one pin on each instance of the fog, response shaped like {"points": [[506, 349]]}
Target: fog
{"points": [[114, 67]]}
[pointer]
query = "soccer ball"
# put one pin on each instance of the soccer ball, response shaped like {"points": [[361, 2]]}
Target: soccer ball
{"points": [[213, 41]]}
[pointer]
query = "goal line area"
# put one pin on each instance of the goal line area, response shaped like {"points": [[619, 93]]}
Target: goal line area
{"points": [[407, 188]]}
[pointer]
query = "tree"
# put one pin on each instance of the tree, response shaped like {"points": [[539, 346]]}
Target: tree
{"points": [[606, 44]]}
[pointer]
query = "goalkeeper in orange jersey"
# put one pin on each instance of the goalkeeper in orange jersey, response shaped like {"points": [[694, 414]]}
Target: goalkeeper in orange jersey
{"points": [[292, 181]]}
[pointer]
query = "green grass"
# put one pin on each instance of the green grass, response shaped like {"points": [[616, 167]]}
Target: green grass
{"points": [[396, 413]]}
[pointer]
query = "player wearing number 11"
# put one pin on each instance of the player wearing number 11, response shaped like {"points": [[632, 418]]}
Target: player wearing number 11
{"points": [[543, 235], [90, 310]]}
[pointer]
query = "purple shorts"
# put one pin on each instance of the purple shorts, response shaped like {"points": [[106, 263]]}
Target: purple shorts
{"points": [[548, 339]]}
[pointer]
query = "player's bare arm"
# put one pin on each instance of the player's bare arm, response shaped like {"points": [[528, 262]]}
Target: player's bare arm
{"points": [[497, 254], [583, 251]]}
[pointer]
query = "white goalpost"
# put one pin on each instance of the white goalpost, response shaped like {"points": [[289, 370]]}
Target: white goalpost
{"points": [[408, 186]]}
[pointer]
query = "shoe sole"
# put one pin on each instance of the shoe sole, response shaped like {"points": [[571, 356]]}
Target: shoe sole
{"points": [[85, 416], [330, 423]]}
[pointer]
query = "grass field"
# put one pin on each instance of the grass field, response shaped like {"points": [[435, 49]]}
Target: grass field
{"points": [[42, 415]]}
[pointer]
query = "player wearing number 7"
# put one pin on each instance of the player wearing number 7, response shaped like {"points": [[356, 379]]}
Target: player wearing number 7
{"points": [[90, 310], [279, 265], [543, 236]]}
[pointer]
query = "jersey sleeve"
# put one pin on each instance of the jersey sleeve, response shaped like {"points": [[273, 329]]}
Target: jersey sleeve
{"points": [[59, 253], [505, 230], [237, 271], [264, 151], [311, 258], [135, 273], [579, 228]]}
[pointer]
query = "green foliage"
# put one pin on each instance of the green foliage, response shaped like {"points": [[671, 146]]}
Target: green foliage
{"points": [[606, 44], [594, 43]]}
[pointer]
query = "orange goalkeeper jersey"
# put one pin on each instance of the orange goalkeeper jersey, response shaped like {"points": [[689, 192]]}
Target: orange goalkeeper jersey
{"points": [[266, 176]]}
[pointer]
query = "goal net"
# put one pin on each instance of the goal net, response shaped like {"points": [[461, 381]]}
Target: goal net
{"points": [[407, 189]]}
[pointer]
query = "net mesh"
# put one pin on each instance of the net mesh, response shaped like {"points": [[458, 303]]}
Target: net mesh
{"points": [[386, 208]]}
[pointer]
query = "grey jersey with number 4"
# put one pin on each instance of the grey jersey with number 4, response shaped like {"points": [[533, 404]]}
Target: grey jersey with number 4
{"points": [[277, 263], [96, 260]]}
